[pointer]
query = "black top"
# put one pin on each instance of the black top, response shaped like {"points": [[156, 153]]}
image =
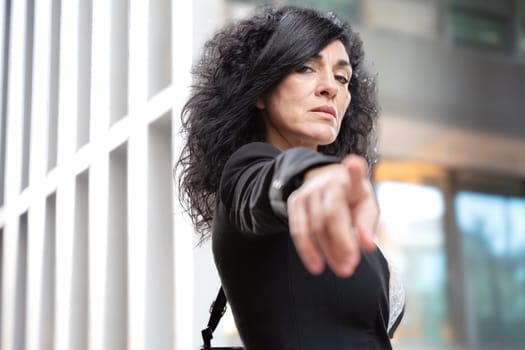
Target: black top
{"points": [[277, 304]]}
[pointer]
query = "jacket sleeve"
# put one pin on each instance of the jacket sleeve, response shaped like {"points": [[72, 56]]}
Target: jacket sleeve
{"points": [[257, 180]]}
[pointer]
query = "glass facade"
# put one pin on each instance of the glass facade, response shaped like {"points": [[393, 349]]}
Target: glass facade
{"points": [[458, 240], [348, 9], [412, 232], [489, 24], [521, 25], [492, 232], [480, 23]]}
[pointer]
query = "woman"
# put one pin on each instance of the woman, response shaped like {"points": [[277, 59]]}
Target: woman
{"points": [[279, 130]]}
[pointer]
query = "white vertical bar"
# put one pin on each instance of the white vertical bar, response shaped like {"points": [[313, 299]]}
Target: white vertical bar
{"points": [[40, 96], [115, 329], [119, 59], [84, 77], [47, 298], [137, 225], [10, 246], [98, 230], [38, 159], [98, 184], [15, 99], [138, 54], [4, 18], [38, 151], [66, 182], [100, 74], [182, 14], [159, 269], [68, 93], [137, 172], [15, 110], [54, 47], [79, 312], [35, 249], [64, 260], [159, 46]]}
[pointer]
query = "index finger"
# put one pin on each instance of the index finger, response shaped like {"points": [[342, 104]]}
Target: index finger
{"points": [[362, 200], [337, 241]]}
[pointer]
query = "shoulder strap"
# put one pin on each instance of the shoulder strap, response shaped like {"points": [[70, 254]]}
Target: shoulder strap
{"points": [[217, 309]]}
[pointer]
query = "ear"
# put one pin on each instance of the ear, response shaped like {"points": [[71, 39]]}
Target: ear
{"points": [[260, 103]]}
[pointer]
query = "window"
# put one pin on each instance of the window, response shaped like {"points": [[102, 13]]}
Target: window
{"points": [[413, 236], [492, 230], [348, 9], [521, 26], [409, 17], [482, 23], [458, 240]]}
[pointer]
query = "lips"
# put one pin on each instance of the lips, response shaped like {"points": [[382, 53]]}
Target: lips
{"points": [[325, 109]]}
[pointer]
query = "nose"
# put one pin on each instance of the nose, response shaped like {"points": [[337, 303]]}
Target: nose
{"points": [[327, 86]]}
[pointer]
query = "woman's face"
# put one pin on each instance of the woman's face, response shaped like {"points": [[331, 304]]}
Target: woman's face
{"points": [[306, 108]]}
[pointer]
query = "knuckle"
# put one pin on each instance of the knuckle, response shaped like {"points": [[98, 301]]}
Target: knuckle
{"points": [[334, 211], [296, 197], [318, 235], [341, 177], [297, 233], [316, 226]]}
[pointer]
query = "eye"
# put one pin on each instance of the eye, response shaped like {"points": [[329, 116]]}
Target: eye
{"points": [[342, 79], [304, 69]]}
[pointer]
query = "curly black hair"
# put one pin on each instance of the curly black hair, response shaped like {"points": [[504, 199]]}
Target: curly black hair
{"points": [[242, 62]]}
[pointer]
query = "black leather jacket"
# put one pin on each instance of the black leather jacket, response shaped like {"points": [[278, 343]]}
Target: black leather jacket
{"points": [[277, 304]]}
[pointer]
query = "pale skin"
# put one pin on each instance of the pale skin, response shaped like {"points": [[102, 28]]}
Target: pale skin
{"points": [[334, 212]]}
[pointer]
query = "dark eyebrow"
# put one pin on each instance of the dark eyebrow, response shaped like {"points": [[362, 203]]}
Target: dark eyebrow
{"points": [[343, 63]]}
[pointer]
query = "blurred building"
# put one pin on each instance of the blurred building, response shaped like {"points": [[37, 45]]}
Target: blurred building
{"points": [[91, 93], [94, 251]]}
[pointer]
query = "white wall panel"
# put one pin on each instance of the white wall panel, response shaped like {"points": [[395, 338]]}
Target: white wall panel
{"points": [[66, 144], [46, 335], [15, 110], [116, 298], [182, 14], [95, 247], [159, 259], [4, 74], [119, 56], [79, 308], [137, 225], [37, 169], [98, 184], [138, 53]]}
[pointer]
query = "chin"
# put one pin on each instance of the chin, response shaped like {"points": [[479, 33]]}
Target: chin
{"points": [[326, 138], [320, 136]]}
